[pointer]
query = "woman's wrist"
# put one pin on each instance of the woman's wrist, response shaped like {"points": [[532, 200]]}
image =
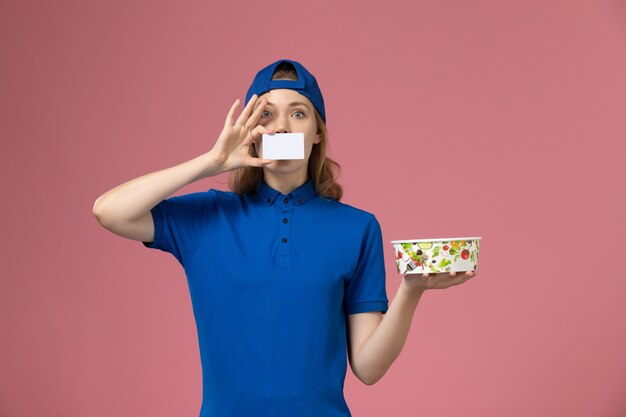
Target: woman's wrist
{"points": [[410, 289], [209, 165]]}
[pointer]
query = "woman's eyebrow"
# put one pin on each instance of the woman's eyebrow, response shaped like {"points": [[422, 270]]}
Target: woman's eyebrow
{"points": [[295, 103]]}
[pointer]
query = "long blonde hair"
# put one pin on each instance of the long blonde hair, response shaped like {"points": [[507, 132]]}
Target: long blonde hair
{"points": [[321, 168]]}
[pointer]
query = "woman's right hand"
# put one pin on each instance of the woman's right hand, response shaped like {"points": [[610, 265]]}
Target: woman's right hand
{"points": [[231, 148]]}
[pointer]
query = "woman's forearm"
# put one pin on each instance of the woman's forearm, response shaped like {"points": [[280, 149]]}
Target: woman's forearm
{"points": [[133, 199], [382, 348]]}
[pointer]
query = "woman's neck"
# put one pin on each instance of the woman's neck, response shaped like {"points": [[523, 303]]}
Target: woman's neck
{"points": [[285, 183]]}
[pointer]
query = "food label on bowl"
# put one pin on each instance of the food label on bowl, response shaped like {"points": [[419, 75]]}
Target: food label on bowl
{"points": [[437, 256]]}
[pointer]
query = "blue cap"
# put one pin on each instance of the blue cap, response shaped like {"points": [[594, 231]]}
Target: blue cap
{"points": [[306, 84]]}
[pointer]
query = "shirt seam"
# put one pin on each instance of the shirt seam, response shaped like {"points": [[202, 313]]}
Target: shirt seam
{"points": [[371, 301], [379, 305], [204, 238], [157, 220]]}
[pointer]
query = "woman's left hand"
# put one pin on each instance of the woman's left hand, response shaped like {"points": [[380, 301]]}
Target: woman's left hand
{"points": [[442, 280]]}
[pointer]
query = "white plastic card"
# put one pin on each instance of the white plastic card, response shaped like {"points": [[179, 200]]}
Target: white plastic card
{"points": [[283, 146]]}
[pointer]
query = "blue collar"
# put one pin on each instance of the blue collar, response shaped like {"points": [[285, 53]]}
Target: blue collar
{"points": [[300, 195]]}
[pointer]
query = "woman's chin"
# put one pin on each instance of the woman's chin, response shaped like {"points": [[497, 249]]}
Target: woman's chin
{"points": [[283, 165], [279, 163]]}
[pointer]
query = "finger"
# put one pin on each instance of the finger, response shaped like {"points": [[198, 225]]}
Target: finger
{"points": [[246, 111], [252, 136], [459, 279], [259, 162], [229, 116], [464, 277], [256, 133], [254, 118]]}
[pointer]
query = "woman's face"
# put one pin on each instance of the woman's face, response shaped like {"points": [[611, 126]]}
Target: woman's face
{"points": [[288, 111]]}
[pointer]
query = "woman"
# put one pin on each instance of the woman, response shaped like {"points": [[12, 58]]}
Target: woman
{"points": [[284, 278]]}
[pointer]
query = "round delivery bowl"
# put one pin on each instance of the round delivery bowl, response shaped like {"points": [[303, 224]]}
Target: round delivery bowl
{"points": [[418, 256]]}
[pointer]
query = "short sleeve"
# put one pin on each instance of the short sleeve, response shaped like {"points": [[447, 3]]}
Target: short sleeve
{"points": [[365, 291], [180, 223]]}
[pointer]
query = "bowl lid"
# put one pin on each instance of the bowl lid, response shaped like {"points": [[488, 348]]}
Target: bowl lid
{"points": [[447, 239]]}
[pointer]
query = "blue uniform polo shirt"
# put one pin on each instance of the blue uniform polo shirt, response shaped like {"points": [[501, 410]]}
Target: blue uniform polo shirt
{"points": [[271, 279]]}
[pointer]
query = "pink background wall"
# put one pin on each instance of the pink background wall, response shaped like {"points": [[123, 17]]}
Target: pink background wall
{"points": [[504, 120]]}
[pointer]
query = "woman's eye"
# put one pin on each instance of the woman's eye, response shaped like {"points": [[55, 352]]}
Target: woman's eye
{"points": [[297, 111]]}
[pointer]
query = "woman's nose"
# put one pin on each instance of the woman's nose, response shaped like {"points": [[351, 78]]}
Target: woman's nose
{"points": [[281, 125]]}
